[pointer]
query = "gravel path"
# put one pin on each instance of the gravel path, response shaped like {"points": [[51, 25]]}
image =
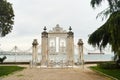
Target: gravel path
{"points": [[56, 74]]}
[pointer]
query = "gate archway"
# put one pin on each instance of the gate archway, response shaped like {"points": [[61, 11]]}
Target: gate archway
{"points": [[57, 47]]}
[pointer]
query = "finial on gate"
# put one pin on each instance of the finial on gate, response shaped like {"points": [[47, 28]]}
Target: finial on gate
{"points": [[44, 28], [70, 28]]}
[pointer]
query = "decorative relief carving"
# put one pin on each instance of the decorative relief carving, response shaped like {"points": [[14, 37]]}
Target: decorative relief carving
{"points": [[57, 29]]}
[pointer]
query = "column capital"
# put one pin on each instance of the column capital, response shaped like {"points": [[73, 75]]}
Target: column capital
{"points": [[44, 34], [35, 43], [70, 34], [80, 42]]}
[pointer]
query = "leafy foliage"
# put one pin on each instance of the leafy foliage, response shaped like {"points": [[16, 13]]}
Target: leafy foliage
{"points": [[108, 65], [2, 59], [6, 17], [108, 33], [95, 2], [113, 6]]}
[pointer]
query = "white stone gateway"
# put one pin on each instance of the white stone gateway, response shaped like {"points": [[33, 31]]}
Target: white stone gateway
{"points": [[57, 42]]}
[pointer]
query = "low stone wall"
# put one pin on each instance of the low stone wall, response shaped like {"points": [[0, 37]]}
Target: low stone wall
{"points": [[88, 62]]}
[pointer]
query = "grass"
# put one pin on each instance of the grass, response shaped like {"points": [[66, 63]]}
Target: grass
{"points": [[111, 72], [6, 70]]}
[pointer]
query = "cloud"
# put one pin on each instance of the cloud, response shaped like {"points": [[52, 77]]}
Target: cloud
{"points": [[32, 15]]}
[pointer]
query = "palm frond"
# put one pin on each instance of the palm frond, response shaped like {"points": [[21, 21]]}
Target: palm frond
{"points": [[108, 33], [95, 2], [104, 14]]}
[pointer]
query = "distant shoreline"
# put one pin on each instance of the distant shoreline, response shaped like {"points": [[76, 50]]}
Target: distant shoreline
{"points": [[87, 62]]}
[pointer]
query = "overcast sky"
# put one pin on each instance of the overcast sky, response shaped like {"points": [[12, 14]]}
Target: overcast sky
{"points": [[32, 15]]}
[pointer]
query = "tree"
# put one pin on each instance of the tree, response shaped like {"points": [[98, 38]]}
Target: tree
{"points": [[109, 32], [6, 17], [113, 6], [2, 59]]}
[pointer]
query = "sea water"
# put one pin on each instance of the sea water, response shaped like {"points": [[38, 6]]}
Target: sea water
{"points": [[87, 57]]}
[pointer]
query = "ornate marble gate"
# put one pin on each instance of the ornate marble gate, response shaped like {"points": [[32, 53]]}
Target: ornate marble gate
{"points": [[57, 47]]}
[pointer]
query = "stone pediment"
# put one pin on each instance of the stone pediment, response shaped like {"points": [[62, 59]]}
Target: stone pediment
{"points": [[57, 29]]}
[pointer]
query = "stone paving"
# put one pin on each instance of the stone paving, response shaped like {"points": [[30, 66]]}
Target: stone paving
{"points": [[56, 74]]}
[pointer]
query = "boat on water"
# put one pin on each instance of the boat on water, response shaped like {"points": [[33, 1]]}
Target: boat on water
{"points": [[96, 53]]}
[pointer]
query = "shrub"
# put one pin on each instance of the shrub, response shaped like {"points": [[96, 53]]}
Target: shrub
{"points": [[108, 65]]}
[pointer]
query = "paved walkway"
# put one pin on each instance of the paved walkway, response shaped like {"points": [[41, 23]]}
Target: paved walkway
{"points": [[56, 74]]}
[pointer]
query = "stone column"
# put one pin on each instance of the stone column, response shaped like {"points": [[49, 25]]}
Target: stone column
{"points": [[80, 51], [44, 47], [34, 52], [70, 47]]}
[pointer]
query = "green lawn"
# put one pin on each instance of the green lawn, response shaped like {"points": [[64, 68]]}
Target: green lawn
{"points": [[5, 70], [111, 72]]}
